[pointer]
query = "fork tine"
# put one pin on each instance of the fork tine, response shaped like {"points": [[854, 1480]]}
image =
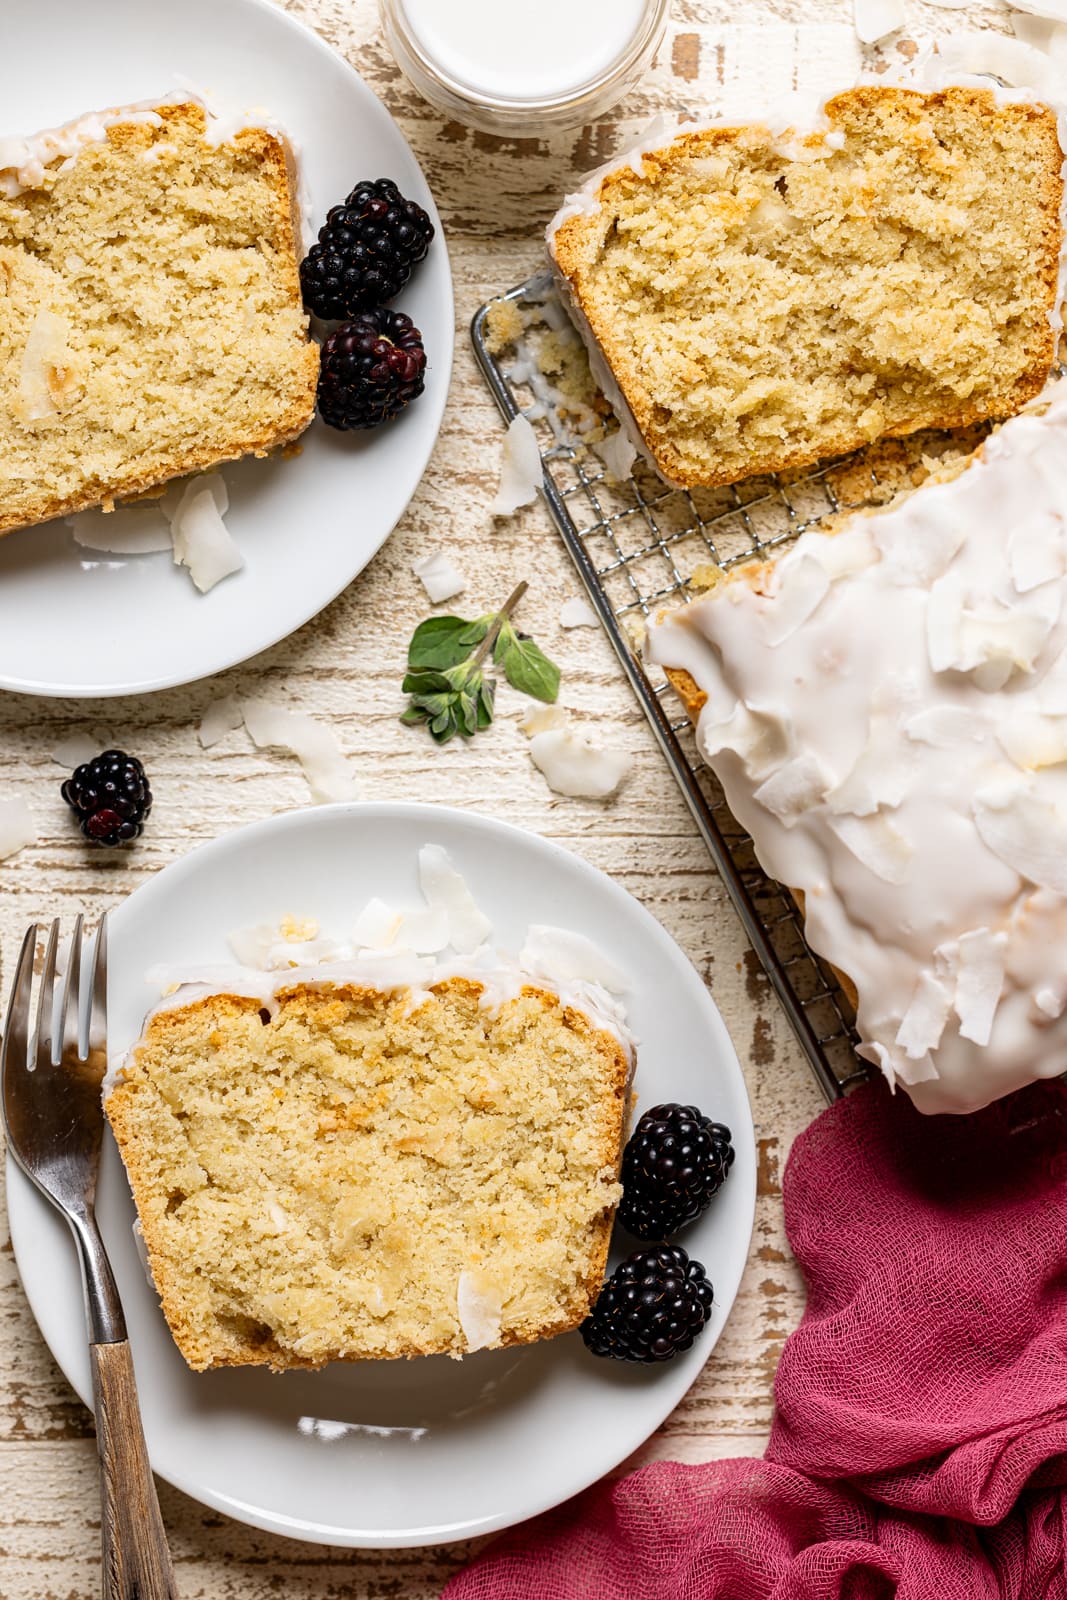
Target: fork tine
{"points": [[72, 991], [14, 1050], [98, 978], [43, 1021]]}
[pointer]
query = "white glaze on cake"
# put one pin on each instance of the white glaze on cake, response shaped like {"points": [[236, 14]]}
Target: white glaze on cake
{"points": [[887, 713]]}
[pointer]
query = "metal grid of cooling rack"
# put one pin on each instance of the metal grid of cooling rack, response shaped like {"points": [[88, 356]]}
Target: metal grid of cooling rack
{"points": [[635, 546]]}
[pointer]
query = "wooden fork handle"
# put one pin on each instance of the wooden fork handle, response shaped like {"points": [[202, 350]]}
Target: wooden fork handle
{"points": [[137, 1564]]}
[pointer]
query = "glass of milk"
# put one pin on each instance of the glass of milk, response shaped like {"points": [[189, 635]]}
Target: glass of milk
{"points": [[508, 68]]}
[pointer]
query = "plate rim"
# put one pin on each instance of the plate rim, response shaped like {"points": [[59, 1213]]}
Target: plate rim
{"points": [[672, 1392], [444, 362]]}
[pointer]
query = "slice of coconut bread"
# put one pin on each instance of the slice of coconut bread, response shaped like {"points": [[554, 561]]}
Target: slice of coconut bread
{"points": [[151, 323], [360, 1173], [764, 300]]}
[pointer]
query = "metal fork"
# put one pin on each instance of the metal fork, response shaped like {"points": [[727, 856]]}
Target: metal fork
{"points": [[53, 1116]]}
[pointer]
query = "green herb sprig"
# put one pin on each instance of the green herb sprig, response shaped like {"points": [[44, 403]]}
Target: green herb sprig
{"points": [[449, 689]]}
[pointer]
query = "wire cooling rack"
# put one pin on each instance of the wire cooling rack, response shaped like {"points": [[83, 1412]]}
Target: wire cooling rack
{"points": [[636, 545]]}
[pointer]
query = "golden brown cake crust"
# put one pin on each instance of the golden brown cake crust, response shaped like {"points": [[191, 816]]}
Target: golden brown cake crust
{"points": [[582, 244], [212, 361], [135, 1109]]}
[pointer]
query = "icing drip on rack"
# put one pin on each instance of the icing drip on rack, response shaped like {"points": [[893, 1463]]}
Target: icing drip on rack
{"points": [[887, 712]]}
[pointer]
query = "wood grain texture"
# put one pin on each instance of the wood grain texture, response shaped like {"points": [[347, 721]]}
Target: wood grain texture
{"points": [[135, 1560], [345, 666]]}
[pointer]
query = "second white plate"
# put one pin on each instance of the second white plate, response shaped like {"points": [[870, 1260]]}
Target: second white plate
{"points": [[74, 622], [408, 1452]]}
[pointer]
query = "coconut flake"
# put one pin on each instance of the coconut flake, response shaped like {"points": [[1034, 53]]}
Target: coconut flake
{"points": [[877, 844], [521, 471], [880, 776], [1034, 741], [943, 726], [541, 718], [138, 530], [1027, 834], [425, 931], [924, 1021], [377, 926], [841, 554], [618, 453], [202, 541], [221, 717], [573, 765], [48, 377], [446, 890], [438, 576], [578, 614], [479, 1307], [803, 583], [979, 980], [795, 788], [17, 827], [252, 945], [559, 955], [757, 738], [142, 1253], [916, 555], [988, 639], [989, 54], [313, 744], [877, 19], [77, 750], [1036, 552]]}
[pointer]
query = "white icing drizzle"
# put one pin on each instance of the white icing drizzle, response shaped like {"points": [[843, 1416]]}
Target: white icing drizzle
{"points": [[23, 161], [899, 755]]}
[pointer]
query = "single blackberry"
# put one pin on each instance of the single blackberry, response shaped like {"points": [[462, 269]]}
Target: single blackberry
{"points": [[366, 251], [651, 1308], [675, 1161], [372, 367], [110, 797]]}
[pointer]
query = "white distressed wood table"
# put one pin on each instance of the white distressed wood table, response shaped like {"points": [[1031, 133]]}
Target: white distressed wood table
{"points": [[345, 667]]}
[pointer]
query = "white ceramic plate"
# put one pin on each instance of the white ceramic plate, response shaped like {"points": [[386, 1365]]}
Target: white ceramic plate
{"points": [[77, 623], [406, 1452]]}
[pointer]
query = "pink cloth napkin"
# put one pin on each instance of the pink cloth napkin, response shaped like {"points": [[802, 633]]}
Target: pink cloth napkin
{"points": [[919, 1447]]}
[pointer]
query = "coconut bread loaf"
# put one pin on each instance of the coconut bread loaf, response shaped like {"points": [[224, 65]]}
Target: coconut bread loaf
{"points": [[756, 299], [151, 323], [332, 1170]]}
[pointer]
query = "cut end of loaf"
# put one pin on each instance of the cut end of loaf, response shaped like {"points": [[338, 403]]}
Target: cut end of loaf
{"points": [[362, 1176], [763, 305]]}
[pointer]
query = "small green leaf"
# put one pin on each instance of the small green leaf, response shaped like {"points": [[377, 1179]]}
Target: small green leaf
{"points": [[486, 695], [413, 717], [528, 669], [438, 643], [426, 682]]}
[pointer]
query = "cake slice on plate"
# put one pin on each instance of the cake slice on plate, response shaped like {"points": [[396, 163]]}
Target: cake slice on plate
{"points": [[758, 298], [151, 323], [360, 1162], [886, 708]]}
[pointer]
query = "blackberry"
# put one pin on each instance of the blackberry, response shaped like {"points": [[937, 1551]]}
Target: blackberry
{"points": [[110, 797], [651, 1308], [675, 1161], [372, 367], [366, 251]]}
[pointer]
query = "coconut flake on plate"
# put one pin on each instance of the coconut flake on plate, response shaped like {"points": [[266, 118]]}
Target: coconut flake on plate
{"points": [[573, 765], [136, 530], [479, 1307], [521, 471], [377, 925], [251, 946], [17, 827], [578, 614], [314, 745], [877, 19], [202, 541], [563, 956], [447, 892], [438, 576], [618, 453], [222, 716]]}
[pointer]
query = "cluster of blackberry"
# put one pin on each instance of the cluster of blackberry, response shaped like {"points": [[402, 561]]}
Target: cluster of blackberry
{"points": [[373, 365], [654, 1304]]}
